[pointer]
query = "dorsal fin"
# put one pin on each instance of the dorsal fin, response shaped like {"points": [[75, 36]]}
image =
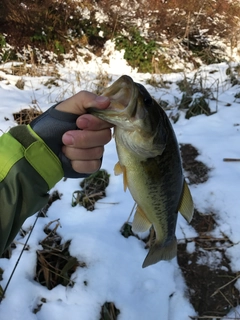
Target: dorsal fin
{"points": [[186, 207]]}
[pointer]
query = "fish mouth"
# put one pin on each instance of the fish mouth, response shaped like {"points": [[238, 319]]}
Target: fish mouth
{"points": [[124, 99]]}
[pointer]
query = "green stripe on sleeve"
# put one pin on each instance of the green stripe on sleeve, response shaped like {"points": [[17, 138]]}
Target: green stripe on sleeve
{"points": [[10, 152], [37, 153], [49, 163], [45, 162]]}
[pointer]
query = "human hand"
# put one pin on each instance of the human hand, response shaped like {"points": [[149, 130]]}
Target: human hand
{"points": [[85, 147]]}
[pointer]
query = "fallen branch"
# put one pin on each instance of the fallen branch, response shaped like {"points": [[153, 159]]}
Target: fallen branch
{"points": [[203, 238], [231, 159], [225, 285], [212, 317]]}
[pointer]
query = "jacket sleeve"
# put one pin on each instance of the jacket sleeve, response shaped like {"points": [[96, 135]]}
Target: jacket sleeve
{"points": [[28, 170]]}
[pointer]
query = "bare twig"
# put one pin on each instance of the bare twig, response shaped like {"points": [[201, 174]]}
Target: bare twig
{"points": [[227, 299], [212, 317], [231, 159], [226, 284], [21, 253], [134, 206], [203, 238]]}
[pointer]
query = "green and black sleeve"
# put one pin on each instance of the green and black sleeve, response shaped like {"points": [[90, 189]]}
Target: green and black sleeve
{"points": [[31, 163]]}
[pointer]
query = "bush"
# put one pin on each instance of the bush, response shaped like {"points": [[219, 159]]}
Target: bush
{"points": [[138, 52], [61, 26]]}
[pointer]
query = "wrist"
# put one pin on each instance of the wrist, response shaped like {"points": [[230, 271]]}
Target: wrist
{"points": [[50, 127]]}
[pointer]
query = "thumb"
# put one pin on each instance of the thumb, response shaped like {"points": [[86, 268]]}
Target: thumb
{"points": [[80, 102]]}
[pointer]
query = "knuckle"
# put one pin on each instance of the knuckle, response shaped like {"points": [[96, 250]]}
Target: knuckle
{"points": [[86, 166], [99, 152]]}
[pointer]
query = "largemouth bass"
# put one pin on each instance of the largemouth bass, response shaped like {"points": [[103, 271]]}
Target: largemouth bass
{"points": [[150, 161]]}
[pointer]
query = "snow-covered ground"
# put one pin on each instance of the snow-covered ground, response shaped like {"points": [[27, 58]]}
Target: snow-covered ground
{"points": [[113, 272]]}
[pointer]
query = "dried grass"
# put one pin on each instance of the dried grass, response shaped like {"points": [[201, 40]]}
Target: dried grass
{"points": [[33, 69], [93, 189], [25, 116], [55, 265], [102, 81]]}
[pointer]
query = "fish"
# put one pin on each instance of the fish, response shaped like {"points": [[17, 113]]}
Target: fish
{"points": [[150, 161]]}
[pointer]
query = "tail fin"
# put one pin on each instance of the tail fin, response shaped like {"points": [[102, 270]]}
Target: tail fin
{"points": [[158, 252]]}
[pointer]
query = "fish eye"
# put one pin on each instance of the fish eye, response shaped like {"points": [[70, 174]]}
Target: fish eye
{"points": [[148, 100], [146, 96]]}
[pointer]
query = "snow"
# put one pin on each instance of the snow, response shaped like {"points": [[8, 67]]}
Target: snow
{"points": [[113, 272]]}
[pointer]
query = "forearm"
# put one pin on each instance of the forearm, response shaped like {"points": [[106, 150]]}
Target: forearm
{"points": [[28, 170]]}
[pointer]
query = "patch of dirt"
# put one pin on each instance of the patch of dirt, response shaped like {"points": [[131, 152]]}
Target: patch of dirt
{"points": [[205, 267], [211, 290], [210, 281], [196, 171], [203, 222]]}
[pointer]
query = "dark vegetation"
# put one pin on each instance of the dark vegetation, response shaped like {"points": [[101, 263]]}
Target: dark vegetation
{"points": [[55, 265], [93, 189], [146, 32]]}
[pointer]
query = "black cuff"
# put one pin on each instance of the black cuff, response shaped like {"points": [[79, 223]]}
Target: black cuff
{"points": [[50, 126]]}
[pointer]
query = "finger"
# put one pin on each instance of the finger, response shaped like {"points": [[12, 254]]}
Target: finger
{"points": [[86, 139], [88, 121], [89, 166], [83, 154], [80, 102]]}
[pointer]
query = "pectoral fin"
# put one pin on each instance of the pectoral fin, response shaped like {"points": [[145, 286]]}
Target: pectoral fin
{"points": [[118, 169], [140, 221], [186, 207]]}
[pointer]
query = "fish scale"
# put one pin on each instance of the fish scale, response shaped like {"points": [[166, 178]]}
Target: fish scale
{"points": [[150, 162]]}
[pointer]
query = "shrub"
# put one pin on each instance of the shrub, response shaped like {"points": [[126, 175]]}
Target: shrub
{"points": [[63, 25], [138, 51]]}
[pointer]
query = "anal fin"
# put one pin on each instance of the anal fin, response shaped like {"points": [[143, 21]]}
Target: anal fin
{"points": [[140, 221], [186, 207]]}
